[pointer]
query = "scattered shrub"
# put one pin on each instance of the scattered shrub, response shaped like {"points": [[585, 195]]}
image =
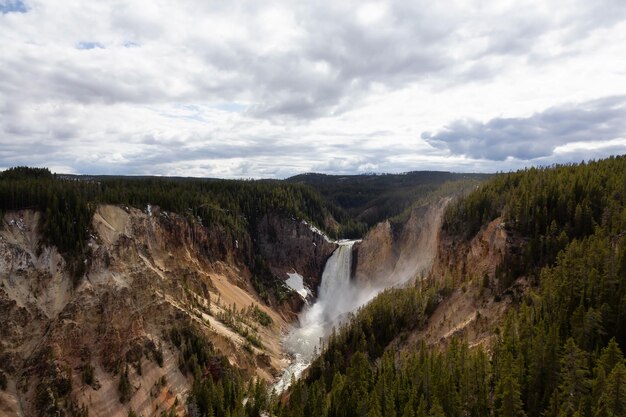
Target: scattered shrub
{"points": [[3, 381], [88, 374], [261, 316], [124, 388]]}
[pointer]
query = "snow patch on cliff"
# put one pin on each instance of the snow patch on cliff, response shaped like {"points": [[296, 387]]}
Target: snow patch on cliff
{"points": [[296, 283], [318, 231]]}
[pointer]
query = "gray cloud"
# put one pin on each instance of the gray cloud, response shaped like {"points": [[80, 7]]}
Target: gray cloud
{"points": [[536, 136], [272, 89], [325, 68]]}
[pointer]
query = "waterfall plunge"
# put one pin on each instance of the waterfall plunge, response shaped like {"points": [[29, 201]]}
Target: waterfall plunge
{"points": [[337, 295]]}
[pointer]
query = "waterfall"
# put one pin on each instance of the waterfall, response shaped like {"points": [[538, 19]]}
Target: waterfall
{"points": [[336, 296], [336, 292]]}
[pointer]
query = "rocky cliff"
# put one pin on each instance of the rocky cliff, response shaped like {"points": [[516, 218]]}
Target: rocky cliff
{"points": [[289, 246], [476, 259], [394, 255], [148, 271]]}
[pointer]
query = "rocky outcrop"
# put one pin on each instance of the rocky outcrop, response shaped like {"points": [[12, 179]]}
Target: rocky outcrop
{"points": [[289, 245], [374, 258], [390, 256], [476, 259]]}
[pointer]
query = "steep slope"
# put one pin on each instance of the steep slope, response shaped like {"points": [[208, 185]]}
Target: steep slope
{"points": [[147, 273]]}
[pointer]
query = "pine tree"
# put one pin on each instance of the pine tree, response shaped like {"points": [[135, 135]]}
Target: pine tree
{"points": [[611, 355], [599, 384], [613, 400], [373, 406], [421, 409], [436, 410], [408, 410], [389, 403], [508, 391], [574, 385], [124, 388]]}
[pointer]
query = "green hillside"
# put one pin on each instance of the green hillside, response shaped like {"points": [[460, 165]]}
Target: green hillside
{"points": [[371, 198]]}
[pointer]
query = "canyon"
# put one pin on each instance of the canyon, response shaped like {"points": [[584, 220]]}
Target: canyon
{"points": [[151, 270]]}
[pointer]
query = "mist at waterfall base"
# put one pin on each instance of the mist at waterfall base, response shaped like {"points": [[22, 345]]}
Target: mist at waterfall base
{"points": [[337, 295]]}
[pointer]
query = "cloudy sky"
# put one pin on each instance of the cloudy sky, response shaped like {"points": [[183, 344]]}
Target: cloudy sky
{"points": [[274, 88]]}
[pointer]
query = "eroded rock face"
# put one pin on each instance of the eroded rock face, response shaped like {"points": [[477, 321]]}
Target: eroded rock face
{"points": [[148, 271], [476, 259], [388, 257], [289, 245], [375, 256]]}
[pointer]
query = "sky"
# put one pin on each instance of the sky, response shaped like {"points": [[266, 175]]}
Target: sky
{"points": [[251, 89]]}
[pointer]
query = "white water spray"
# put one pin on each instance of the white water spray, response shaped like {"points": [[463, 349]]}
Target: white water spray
{"points": [[337, 295]]}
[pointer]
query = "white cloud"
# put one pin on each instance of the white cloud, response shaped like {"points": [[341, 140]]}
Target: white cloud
{"points": [[245, 89]]}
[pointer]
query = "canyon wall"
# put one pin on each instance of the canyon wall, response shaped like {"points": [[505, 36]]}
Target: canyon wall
{"points": [[392, 255], [147, 272]]}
